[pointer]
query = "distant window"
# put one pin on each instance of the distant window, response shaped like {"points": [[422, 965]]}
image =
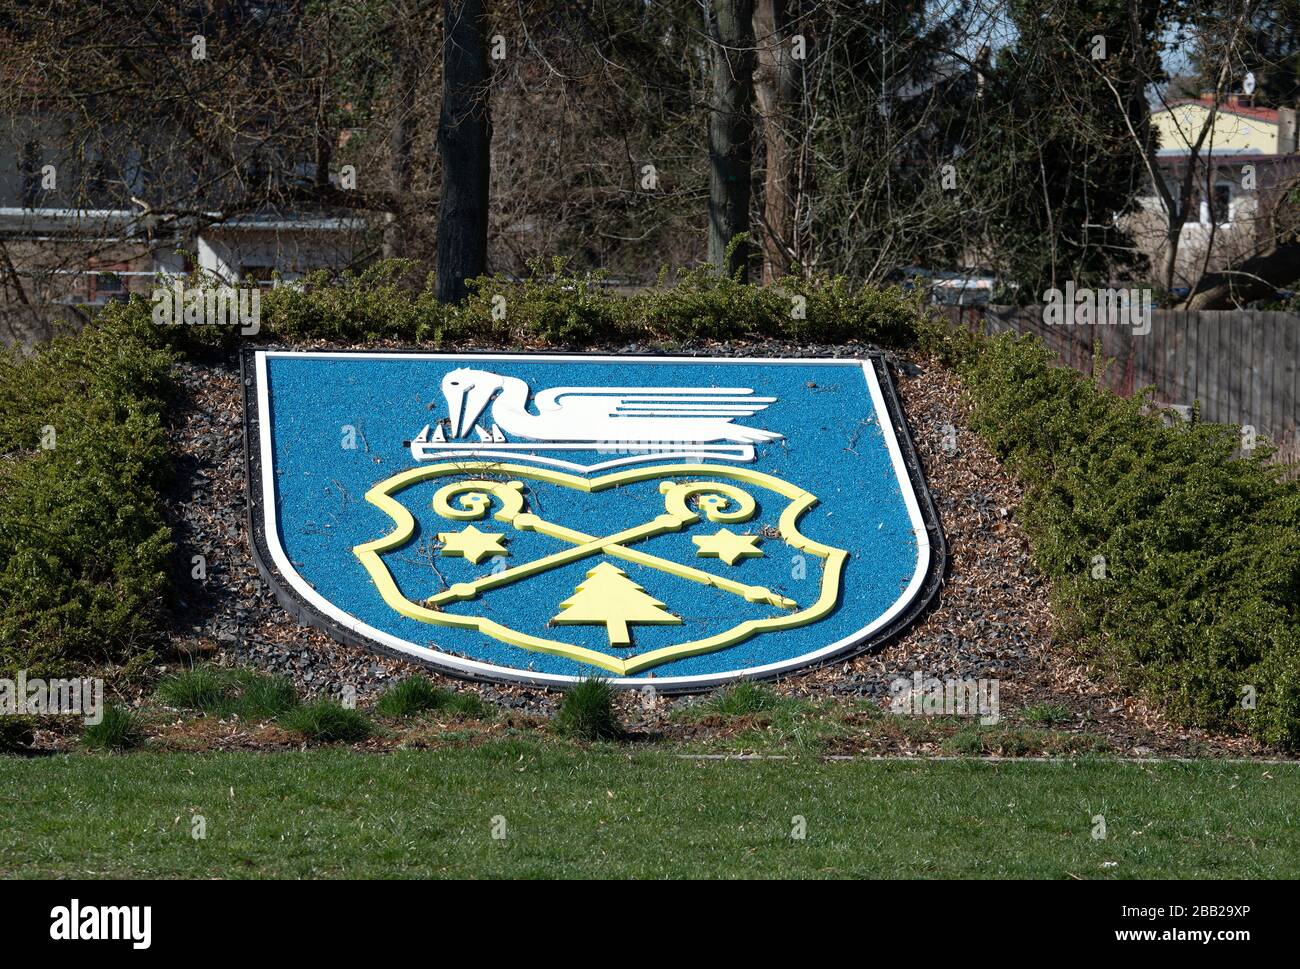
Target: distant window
{"points": [[106, 285], [263, 276], [256, 169], [1218, 208], [1175, 195], [30, 172], [96, 180]]}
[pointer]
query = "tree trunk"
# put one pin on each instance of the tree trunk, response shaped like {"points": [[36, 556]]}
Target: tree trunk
{"points": [[777, 87], [731, 127], [464, 146], [324, 148], [401, 137], [1256, 278]]}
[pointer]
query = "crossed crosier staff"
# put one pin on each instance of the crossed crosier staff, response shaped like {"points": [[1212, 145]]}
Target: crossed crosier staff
{"points": [[475, 498]]}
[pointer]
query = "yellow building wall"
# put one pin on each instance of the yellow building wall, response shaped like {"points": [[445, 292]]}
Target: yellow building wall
{"points": [[1182, 124]]}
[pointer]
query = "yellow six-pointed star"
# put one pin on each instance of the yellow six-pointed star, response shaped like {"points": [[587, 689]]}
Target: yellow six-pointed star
{"points": [[727, 545], [472, 544]]}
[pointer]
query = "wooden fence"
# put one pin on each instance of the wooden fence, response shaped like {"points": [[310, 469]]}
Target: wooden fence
{"points": [[1239, 364]]}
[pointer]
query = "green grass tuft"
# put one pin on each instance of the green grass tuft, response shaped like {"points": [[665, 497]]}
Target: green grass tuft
{"points": [[417, 694], [249, 694], [413, 695], [466, 704], [742, 699], [118, 730], [1045, 714], [969, 742], [587, 712], [327, 722], [263, 695], [206, 688]]}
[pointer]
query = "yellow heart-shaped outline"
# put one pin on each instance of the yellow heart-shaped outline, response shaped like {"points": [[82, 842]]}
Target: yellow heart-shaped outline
{"points": [[381, 496]]}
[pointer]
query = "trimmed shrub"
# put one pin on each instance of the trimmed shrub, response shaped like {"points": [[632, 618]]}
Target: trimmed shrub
{"points": [[556, 307], [1175, 565], [83, 542]]}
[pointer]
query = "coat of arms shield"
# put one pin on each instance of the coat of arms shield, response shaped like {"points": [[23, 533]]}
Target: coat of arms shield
{"points": [[675, 521]]}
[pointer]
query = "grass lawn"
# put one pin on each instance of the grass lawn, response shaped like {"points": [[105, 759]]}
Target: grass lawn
{"points": [[614, 811]]}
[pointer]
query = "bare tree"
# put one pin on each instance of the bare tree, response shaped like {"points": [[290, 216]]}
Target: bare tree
{"points": [[406, 66], [955, 135], [731, 130], [1140, 72], [173, 119], [778, 88], [1259, 277], [464, 145]]}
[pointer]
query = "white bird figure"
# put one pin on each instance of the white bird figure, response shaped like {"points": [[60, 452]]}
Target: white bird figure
{"points": [[679, 414]]}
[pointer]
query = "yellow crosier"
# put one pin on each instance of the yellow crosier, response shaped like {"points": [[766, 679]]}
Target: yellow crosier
{"points": [[677, 515], [714, 498]]}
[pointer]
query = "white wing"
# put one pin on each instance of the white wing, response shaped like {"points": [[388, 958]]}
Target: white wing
{"points": [[720, 402]]}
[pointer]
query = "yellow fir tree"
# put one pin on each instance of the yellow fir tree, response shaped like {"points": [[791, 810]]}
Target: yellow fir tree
{"points": [[609, 597]]}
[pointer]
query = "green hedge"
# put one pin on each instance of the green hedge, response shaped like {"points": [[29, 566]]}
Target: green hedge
{"points": [[83, 543], [1174, 565], [557, 308]]}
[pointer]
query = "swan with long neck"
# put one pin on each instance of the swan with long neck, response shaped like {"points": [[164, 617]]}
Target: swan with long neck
{"points": [[682, 414]]}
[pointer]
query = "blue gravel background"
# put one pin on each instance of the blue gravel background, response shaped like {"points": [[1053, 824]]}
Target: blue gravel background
{"points": [[833, 448]]}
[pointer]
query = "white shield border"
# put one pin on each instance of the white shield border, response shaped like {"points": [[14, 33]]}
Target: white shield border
{"points": [[307, 605]]}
